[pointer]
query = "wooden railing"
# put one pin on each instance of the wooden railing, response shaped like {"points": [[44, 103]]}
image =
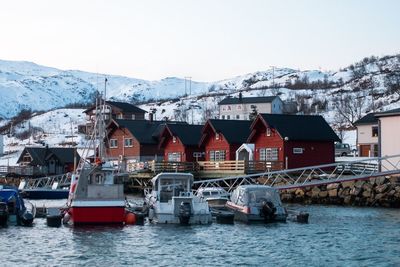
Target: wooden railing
{"points": [[229, 166], [169, 166], [20, 170], [263, 166], [222, 166]]}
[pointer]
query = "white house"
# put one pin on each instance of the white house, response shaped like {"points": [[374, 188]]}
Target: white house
{"points": [[389, 140], [240, 108], [367, 136]]}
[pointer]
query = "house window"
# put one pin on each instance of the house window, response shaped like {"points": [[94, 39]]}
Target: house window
{"points": [[375, 131], [268, 154], [120, 116], [237, 117], [298, 150], [133, 116], [223, 117], [217, 155], [228, 117], [217, 136], [113, 143], [268, 132], [174, 156], [173, 139], [128, 142]]}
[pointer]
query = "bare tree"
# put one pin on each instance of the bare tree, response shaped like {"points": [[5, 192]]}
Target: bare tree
{"points": [[348, 109]]}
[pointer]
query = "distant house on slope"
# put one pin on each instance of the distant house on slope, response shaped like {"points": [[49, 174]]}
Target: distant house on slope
{"points": [[49, 160], [112, 110], [389, 141], [241, 108], [180, 143], [367, 136], [293, 141]]}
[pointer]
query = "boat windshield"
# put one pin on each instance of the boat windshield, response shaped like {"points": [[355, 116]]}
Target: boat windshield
{"points": [[257, 196]]}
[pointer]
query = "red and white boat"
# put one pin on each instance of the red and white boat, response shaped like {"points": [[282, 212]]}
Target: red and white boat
{"points": [[96, 191]]}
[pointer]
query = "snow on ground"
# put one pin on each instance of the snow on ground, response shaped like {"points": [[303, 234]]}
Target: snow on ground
{"points": [[53, 128]]}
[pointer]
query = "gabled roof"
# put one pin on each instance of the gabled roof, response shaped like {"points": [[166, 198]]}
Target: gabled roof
{"points": [[188, 134], [145, 132], [126, 107], [234, 131], [388, 113], [300, 127], [367, 119], [247, 100], [41, 154]]}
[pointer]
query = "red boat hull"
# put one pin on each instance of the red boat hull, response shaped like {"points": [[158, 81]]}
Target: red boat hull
{"points": [[97, 215]]}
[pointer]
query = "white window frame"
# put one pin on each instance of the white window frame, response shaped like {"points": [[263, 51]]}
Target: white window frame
{"points": [[133, 116], [269, 154], [128, 143], [268, 132], [173, 139], [298, 150], [174, 157], [238, 117], [113, 143], [217, 155], [217, 136], [120, 116]]}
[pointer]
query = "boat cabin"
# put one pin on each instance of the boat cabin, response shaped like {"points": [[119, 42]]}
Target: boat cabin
{"points": [[168, 185]]}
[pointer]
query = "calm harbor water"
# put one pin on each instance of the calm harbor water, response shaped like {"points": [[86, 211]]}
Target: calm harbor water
{"points": [[335, 236]]}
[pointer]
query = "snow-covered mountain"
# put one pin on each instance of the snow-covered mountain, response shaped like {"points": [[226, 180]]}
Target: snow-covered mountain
{"points": [[26, 85]]}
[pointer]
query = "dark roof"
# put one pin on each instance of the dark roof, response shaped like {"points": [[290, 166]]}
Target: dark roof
{"points": [[301, 127], [188, 134], [41, 154], [126, 107], [392, 112], [367, 119], [145, 131], [235, 131], [247, 100]]}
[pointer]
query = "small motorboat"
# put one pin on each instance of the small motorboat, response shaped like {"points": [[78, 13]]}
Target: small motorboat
{"points": [[172, 201], [12, 208], [257, 203], [215, 196], [53, 192]]}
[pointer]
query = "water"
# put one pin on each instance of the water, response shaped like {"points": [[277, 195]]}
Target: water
{"points": [[335, 236]]}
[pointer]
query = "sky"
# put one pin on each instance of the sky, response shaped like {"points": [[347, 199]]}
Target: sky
{"points": [[207, 40]]}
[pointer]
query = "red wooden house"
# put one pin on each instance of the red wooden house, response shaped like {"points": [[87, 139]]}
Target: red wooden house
{"points": [[221, 138], [294, 140], [133, 141], [180, 143]]}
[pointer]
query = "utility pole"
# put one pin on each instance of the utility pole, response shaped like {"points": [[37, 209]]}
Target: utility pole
{"points": [[273, 76], [190, 85]]}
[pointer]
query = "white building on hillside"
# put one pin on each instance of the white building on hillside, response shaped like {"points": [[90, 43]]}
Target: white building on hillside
{"points": [[240, 108]]}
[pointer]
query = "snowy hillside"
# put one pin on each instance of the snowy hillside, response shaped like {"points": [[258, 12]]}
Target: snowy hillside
{"points": [[342, 97]]}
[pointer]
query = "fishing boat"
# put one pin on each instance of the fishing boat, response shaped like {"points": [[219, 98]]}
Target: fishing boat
{"points": [[256, 203], [96, 193], [13, 209], [171, 200]]}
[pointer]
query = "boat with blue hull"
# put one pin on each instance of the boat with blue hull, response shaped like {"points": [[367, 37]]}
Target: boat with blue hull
{"points": [[45, 193], [13, 209]]}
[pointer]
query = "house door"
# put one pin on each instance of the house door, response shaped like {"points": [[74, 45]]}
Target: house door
{"points": [[52, 167], [244, 155], [365, 150]]}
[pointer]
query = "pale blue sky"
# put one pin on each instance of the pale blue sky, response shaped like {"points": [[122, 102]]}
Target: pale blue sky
{"points": [[206, 39]]}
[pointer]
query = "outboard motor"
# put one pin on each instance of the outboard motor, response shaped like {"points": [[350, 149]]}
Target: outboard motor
{"points": [[268, 211], [3, 213], [185, 212], [26, 218]]}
